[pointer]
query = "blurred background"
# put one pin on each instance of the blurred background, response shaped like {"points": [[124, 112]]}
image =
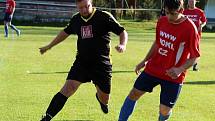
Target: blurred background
{"points": [[49, 11]]}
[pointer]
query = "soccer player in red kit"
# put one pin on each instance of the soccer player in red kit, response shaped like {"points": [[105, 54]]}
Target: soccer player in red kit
{"points": [[9, 11], [173, 52], [198, 17]]}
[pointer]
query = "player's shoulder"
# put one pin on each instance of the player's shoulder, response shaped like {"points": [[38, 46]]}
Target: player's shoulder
{"points": [[75, 15], [185, 10], [105, 13], [162, 19], [199, 10], [190, 25]]}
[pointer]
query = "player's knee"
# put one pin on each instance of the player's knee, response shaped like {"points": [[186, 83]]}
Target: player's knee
{"points": [[5, 23], [135, 94], [103, 97], [69, 88], [165, 111]]}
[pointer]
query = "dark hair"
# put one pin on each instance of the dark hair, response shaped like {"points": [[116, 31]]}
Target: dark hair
{"points": [[173, 4]]}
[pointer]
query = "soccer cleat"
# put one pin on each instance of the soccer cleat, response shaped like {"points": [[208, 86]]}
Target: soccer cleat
{"points": [[195, 69], [46, 118], [103, 106], [18, 32]]}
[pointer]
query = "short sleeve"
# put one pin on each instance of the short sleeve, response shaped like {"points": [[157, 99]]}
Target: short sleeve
{"points": [[113, 24], [13, 4], [69, 29], [194, 40], [203, 18]]}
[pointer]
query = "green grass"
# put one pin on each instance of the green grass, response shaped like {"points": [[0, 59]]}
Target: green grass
{"points": [[25, 96]]}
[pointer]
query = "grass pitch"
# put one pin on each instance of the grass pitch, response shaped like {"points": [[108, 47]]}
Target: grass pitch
{"points": [[28, 81]]}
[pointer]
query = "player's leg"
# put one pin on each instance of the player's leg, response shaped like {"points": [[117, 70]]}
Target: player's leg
{"points": [[75, 78], [58, 101], [9, 18], [165, 112], [5, 28], [6, 20], [144, 83], [101, 76], [15, 29], [103, 98], [168, 97], [129, 104]]}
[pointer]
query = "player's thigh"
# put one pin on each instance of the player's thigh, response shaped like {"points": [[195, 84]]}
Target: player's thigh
{"points": [[79, 72], [135, 94], [102, 95], [145, 82], [7, 18], [169, 93], [101, 77], [70, 87]]}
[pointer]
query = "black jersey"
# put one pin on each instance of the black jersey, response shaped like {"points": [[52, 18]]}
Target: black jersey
{"points": [[93, 42]]}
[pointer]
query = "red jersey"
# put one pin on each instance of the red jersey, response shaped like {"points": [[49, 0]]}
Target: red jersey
{"points": [[196, 15], [10, 6], [175, 44]]}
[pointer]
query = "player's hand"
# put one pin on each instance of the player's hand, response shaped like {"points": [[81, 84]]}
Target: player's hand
{"points": [[174, 72], [120, 48], [44, 49], [139, 67]]}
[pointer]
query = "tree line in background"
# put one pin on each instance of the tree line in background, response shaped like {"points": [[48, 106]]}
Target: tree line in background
{"points": [[145, 4]]}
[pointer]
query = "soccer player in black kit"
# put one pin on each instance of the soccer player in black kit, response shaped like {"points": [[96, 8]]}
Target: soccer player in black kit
{"points": [[93, 50]]}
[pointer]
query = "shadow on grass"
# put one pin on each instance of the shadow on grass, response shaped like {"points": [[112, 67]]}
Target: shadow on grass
{"points": [[74, 120], [64, 72], [200, 82], [60, 72], [123, 72]]}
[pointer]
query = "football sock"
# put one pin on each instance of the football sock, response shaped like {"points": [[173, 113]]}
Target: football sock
{"points": [[6, 30], [56, 105], [127, 109], [164, 118], [14, 28]]}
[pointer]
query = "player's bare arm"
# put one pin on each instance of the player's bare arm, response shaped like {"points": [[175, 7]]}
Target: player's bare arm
{"points": [[201, 26], [122, 42], [175, 72], [59, 38], [144, 61]]}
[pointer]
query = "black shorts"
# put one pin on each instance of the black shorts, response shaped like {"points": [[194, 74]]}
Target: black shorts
{"points": [[7, 17], [99, 73], [169, 90]]}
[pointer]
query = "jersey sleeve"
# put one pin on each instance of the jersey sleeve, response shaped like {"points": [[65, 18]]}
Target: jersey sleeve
{"points": [[194, 39], [13, 4], [113, 24], [69, 29], [203, 18]]}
